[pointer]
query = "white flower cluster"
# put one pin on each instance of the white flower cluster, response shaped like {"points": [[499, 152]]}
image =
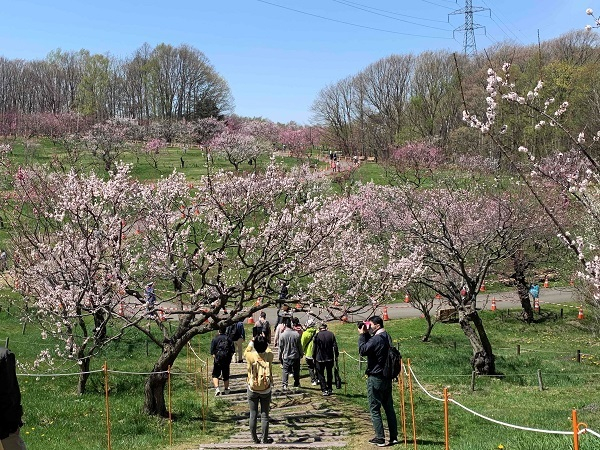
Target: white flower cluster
{"points": [[590, 12]]}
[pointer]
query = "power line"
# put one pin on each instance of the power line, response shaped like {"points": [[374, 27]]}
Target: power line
{"points": [[350, 23], [389, 17], [435, 4], [507, 27], [349, 3]]}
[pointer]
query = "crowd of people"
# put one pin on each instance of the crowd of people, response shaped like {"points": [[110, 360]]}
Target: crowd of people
{"points": [[318, 345]]}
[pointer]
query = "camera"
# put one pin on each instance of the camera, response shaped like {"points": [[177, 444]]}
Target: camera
{"points": [[363, 324]]}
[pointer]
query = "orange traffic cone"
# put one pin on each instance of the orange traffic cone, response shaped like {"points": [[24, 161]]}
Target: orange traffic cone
{"points": [[161, 315], [482, 288], [438, 296], [536, 305], [406, 299], [494, 304], [385, 313], [546, 284], [580, 315], [250, 319]]}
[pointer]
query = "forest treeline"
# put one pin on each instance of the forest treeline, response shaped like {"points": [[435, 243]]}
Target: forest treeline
{"points": [[395, 100], [163, 82], [404, 98]]}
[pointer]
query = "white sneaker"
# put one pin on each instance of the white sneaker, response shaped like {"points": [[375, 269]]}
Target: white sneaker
{"points": [[226, 392], [217, 392], [314, 383]]}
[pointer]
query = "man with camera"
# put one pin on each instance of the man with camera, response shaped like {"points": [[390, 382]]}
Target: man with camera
{"points": [[374, 343]]}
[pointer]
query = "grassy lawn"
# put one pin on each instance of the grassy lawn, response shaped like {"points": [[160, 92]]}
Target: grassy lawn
{"points": [[57, 418]]}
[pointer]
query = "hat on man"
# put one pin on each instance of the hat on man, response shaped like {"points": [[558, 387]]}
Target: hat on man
{"points": [[322, 326]]}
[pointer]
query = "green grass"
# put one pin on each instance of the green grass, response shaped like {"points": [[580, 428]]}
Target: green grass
{"points": [[56, 417]]}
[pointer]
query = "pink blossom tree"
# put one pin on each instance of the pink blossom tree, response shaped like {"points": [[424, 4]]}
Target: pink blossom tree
{"points": [[83, 245], [69, 233], [244, 141], [414, 161], [462, 233]]}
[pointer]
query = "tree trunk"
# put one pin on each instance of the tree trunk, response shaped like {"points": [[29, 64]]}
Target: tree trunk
{"points": [[154, 389], [482, 360], [520, 266], [84, 374], [430, 324]]}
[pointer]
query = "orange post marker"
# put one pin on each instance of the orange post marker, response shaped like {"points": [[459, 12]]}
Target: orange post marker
{"points": [[494, 304], [546, 283], [536, 305], [580, 314], [385, 313], [406, 298]]}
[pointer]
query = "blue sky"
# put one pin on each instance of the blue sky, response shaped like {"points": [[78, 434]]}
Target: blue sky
{"points": [[277, 55]]}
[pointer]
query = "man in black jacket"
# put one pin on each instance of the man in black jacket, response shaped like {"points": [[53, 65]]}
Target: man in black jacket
{"points": [[374, 343], [11, 410], [325, 351]]}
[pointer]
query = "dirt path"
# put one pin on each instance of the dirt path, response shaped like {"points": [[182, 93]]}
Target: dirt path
{"points": [[299, 419]]}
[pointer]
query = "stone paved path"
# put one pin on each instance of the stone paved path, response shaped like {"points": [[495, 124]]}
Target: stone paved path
{"points": [[299, 419]]}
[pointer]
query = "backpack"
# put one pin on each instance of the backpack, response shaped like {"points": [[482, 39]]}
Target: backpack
{"points": [[222, 350], [393, 362], [260, 375]]}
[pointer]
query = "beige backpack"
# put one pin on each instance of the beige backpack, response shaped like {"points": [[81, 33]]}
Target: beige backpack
{"points": [[260, 376]]}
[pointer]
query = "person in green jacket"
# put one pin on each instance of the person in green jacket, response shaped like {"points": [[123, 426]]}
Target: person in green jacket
{"points": [[307, 347]]}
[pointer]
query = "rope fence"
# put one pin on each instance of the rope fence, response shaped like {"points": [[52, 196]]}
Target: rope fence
{"points": [[408, 382], [578, 428]]}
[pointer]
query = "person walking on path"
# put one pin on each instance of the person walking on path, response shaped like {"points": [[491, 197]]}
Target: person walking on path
{"points": [[306, 340], [11, 411], [263, 327], [237, 333], [374, 343], [325, 354], [290, 353], [259, 361], [221, 348]]}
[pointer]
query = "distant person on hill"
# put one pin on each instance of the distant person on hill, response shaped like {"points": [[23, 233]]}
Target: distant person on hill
{"points": [[534, 291], [221, 348], [150, 298], [11, 410]]}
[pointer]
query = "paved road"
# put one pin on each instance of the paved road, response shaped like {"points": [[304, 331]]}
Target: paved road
{"points": [[504, 300]]}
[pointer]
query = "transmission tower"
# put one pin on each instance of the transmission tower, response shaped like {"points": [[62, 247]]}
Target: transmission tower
{"points": [[469, 46]]}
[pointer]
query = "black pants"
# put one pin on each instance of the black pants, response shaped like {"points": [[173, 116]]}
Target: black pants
{"points": [[321, 367]]}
